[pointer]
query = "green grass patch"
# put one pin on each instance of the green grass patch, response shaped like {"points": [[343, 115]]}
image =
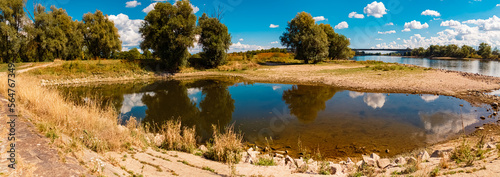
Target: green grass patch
{"points": [[266, 162], [208, 169]]}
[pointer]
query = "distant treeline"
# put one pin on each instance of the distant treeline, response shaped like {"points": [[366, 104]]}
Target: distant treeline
{"points": [[484, 51]]}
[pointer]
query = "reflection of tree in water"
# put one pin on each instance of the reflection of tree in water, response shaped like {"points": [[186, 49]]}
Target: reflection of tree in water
{"points": [[217, 107], [306, 101], [171, 101]]}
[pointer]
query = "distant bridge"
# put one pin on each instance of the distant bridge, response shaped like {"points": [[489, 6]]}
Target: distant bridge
{"points": [[401, 51]]}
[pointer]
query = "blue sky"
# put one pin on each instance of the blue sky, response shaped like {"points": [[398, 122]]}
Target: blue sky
{"points": [[256, 24]]}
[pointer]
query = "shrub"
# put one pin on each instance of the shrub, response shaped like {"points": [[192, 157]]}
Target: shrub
{"points": [[178, 137], [226, 146]]}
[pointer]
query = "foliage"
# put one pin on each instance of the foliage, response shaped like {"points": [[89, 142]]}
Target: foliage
{"points": [[169, 30], [463, 153], [484, 50], [338, 45], [214, 39], [266, 161], [11, 24], [226, 146], [100, 34], [453, 50], [307, 39]]}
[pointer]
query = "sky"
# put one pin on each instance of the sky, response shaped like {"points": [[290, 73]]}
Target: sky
{"points": [[258, 24]]}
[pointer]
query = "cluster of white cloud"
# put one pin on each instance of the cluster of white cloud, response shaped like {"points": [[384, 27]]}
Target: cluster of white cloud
{"points": [[128, 30], [387, 32], [274, 26], [274, 42], [319, 18], [131, 4], [356, 15], [375, 9], [342, 25], [414, 25], [238, 47], [389, 24], [470, 32], [431, 13]]}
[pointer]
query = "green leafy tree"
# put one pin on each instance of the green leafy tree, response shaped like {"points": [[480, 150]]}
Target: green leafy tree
{"points": [[214, 39], [466, 51], [307, 39], [100, 34], [133, 54], [338, 45], [484, 50], [11, 24], [169, 30], [306, 101], [147, 54]]}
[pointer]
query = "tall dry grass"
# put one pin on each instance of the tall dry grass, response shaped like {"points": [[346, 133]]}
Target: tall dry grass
{"points": [[94, 127], [177, 137], [226, 146]]}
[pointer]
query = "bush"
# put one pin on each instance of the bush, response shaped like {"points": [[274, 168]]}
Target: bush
{"points": [[226, 146], [268, 161], [178, 137]]}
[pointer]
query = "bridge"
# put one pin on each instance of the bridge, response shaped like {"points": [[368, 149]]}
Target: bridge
{"points": [[401, 51]]}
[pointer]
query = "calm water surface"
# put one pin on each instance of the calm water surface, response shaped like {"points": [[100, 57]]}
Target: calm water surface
{"points": [[338, 122], [490, 68]]}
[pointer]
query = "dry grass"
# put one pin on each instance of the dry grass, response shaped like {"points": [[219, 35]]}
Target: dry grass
{"points": [[226, 146], [96, 128], [178, 137], [238, 66]]}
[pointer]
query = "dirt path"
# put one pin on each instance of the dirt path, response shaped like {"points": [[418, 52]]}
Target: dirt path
{"points": [[34, 153], [35, 67]]}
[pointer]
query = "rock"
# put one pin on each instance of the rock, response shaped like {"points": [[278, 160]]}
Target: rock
{"points": [[490, 146], [495, 113], [359, 163], [411, 160], [387, 151], [279, 155], [423, 156], [158, 140], [300, 163], [369, 161], [279, 161], [289, 160], [203, 148], [335, 169], [374, 156], [400, 161], [382, 163], [349, 161], [312, 167], [441, 153], [494, 105], [482, 117]]}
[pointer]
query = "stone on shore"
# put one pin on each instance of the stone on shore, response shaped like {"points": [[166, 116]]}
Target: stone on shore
{"points": [[423, 156], [382, 163]]}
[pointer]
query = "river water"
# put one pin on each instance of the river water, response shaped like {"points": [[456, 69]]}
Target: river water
{"points": [[340, 123], [489, 68]]}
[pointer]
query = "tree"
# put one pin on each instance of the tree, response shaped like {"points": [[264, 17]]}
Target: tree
{"points": [[133, 54], [100, 34], [147, 54], [466, 51], [306, 101], [214, 39], [484, 50], [306, 38], [169, 30], [11, 24], [338, 45]]}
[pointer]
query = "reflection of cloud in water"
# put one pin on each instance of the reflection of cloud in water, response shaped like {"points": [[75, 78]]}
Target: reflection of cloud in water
{"points": [[440, 125], [355, 94], [374, 100], [192, 91], [429, 98], [276, 87], [133, 100], [195, 95]]}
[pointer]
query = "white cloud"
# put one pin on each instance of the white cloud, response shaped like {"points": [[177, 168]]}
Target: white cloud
{"points": [[149, 8], [238, 47], [152, 7], [274, 42], [319, 18], [429, 98], [398, 39], [133, 100], [406, 30], [490, 24], [342, 25], [356, 15], [415, 25], [451, 23], [379, 39], [128, 30], [241, 39], [353, 94], [274, 26], [498, 5], [375, 100], [389, 24], [387, 32], [131, 4], [375, 9], [431, 13]]}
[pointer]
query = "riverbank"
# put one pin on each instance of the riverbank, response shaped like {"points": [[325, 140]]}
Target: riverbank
{"points": [[137, 157], [367, 76]]}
